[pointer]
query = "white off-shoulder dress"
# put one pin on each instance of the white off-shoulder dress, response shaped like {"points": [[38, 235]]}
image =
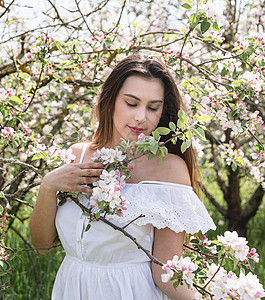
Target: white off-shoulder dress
{"points": [[102, 263]]}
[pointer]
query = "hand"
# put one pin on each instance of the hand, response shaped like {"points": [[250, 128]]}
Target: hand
{"points": [[73, 177]]}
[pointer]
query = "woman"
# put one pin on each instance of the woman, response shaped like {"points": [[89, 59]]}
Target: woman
{"points": [[138, 96]]}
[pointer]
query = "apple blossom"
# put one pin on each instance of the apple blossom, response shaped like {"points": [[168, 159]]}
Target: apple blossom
{"points": [[67, 156]]}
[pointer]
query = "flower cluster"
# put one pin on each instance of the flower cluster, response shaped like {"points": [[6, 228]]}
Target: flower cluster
{"points": [[108, 156], [106, 196], [227, 285], [209, 276], [65, 155], [8, 132], [184, 266], [235, 244], [3, 256], [236, 158]]}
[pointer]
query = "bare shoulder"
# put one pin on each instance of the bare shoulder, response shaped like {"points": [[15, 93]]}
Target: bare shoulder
{"points": [[78, 148], [174, 169]]}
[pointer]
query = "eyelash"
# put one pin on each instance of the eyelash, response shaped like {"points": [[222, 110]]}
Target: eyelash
{"points": [[134, 105]]}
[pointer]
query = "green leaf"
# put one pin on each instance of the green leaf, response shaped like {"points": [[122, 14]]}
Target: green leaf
{"points": [[15, 100], [62, 202], [23, 75], [172, 126], [194, 20], [138, 150], [86, 213], [37, 156], [182, 72], [188, 1], [213, 66], [71, 106], [176, 284], [204, 118], [244, 56], [259, 147], [194, 241], [162, 130], [88, 227], [160, 158], [251, 265], [74, 135], [205, 26], [174, 141], [164, 150], [156, 135], [235, 262], [240, 160], [150, 155], [185, 145], [183, 116], [234, 167], [182, 119], [207, 38], [224, 72], [216, 26], [187, 6], [199, 133], [154, 148]]}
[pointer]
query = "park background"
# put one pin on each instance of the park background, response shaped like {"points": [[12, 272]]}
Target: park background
{"points": [[54, 56]]}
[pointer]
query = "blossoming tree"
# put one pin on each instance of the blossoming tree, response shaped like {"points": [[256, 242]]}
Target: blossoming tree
{"points": [[52, 68]]}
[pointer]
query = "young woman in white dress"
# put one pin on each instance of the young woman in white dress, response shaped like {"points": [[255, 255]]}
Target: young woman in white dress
{"points": [[139, 95]]}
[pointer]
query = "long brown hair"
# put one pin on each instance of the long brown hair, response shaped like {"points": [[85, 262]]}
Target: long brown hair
{"points": [[147, 67]]}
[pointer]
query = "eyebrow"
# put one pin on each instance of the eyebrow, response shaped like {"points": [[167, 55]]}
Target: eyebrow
{"points": [[138, 99]]}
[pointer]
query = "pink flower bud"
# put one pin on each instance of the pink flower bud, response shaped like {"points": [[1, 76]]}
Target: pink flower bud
{"points": [[117, 188]]}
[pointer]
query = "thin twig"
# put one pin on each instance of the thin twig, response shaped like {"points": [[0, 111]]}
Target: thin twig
{"points": [[223, 256], [13, 197], [183, 45], [118, 22], [20, 163], [141, 216], [198, 251], [79, 10], [7, 9]]}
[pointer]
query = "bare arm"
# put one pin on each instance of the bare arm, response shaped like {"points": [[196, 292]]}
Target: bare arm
{"points": [[168, 243], [68, 178]]}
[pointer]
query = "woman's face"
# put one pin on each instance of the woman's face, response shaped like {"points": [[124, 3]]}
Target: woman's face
{"points": [[138, 108]]}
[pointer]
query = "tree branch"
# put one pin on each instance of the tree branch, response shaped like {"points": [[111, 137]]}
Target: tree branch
{"points": [[220, 180], [22, 164], [220, 208], [252, 205], [7, 8]]}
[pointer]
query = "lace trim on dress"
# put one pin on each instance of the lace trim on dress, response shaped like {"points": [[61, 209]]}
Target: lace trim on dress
{"points": [[169, 205]]}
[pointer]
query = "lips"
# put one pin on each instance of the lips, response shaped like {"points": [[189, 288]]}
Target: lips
{"points": [[136, 129]]}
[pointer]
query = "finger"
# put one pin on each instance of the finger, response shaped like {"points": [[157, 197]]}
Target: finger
{"points": [[91, 172], [90, 165], [88, 180], [84, 189]]}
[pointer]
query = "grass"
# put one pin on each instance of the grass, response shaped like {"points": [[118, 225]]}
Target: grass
{"points": [[33, 274]]}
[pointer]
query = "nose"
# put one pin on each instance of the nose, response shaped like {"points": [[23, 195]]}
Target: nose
{"points": [[140, 115]]}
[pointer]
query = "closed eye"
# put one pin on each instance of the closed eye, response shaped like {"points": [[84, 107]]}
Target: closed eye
{"points": [[131, 104], [153, 109]]}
